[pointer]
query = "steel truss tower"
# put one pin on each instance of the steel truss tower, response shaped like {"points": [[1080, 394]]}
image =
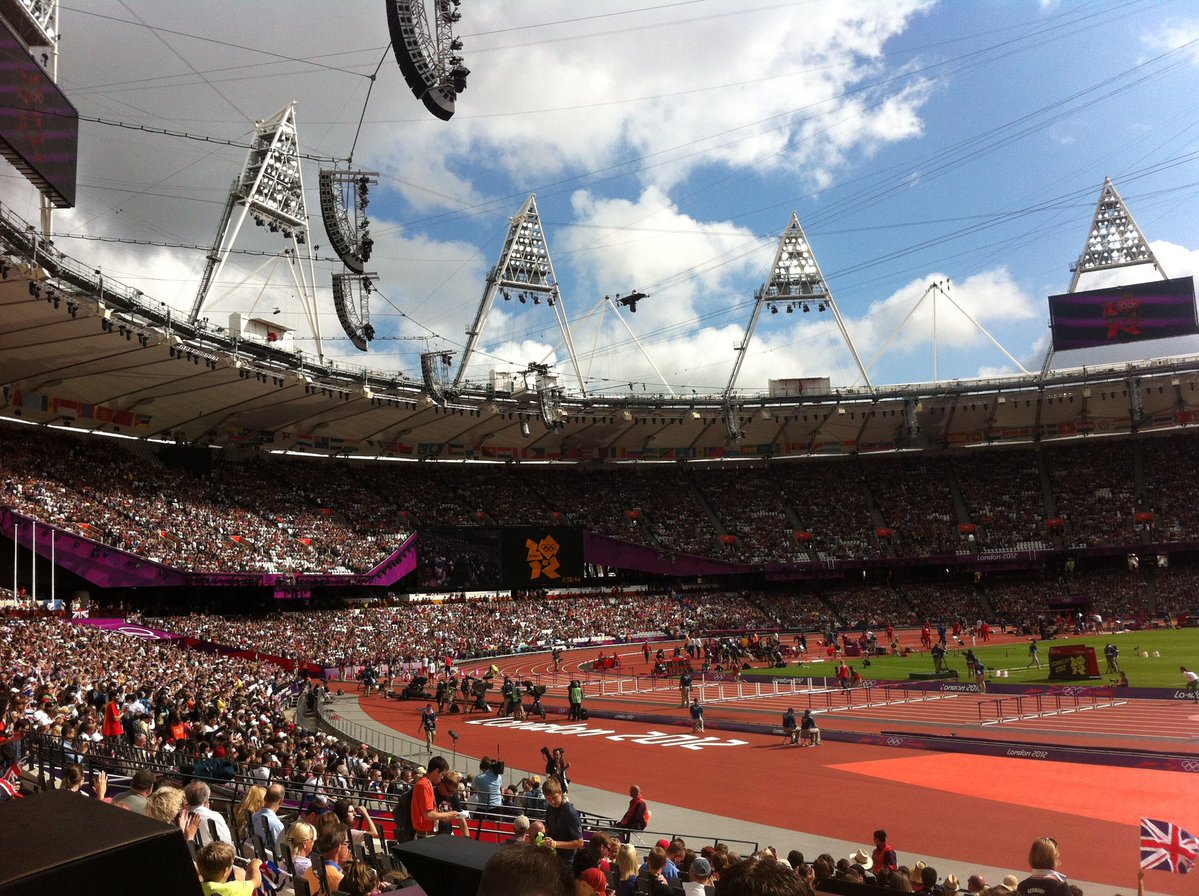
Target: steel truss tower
{"points": [[796, 283], [1114, 241], [524, 273], [271, 190]]}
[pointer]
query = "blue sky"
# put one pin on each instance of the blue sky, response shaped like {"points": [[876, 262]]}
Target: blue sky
{"points": [[668, 145]]}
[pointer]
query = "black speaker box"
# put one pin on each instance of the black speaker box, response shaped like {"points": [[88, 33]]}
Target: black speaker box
{"points": [[60, 842], [447, 866]]}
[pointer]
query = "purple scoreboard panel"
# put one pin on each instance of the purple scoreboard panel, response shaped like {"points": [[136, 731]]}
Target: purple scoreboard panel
{"points": [[39, 128], [1122, 314], [1119, 314]]}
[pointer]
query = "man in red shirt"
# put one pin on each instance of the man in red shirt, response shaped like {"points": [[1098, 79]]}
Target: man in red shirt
{"points": [[638, 815], [425, 815]]}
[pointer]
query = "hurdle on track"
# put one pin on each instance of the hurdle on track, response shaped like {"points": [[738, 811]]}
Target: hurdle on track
{"points": [[817, 694], [1061, 701]]}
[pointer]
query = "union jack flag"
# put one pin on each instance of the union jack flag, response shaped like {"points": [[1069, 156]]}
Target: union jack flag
{"points": [[1167, 847]]}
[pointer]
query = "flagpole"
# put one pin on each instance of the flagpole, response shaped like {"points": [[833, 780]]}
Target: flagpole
{"points": [[33, 567]]}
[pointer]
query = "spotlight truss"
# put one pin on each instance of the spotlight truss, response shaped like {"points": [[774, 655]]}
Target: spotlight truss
{"points": [[429, 57], [344, 198], [351, 299]]}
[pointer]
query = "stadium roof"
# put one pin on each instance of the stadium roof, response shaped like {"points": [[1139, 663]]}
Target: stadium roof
{"points": [[77, 351]]}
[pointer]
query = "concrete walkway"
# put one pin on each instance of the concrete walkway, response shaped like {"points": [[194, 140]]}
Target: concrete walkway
{"points": [[694, 826]]}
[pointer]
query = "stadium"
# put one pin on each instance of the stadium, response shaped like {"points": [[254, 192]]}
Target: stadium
{"points": [[260, 514]]}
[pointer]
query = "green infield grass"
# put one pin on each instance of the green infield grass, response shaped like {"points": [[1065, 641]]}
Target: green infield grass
{"points": [[1167, 650]]}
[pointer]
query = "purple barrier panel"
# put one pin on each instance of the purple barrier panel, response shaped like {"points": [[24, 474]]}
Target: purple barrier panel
{"points": [[97, 563], [607, 551]]}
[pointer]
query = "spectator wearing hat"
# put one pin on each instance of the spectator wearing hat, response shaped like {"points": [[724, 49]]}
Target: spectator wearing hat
{"points": [[520, 827], [951, 886], [591, 882], [134, 799], [928, 882], [916, 876], [1008, 885], [700, 883]]}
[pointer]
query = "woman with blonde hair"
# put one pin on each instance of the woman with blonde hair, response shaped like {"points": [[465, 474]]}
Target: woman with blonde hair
{"points": [[1045, 880], [301, 839], [627, 864], [165, 803], [254, 800]]}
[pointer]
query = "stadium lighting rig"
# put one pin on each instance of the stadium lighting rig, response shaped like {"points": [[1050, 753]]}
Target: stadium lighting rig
{"points": [[353, 311], [434, 370], [429, 57], [524, 273], [1114, 241], [270, 192], [549, 396], [345, 196], [796, 281]]}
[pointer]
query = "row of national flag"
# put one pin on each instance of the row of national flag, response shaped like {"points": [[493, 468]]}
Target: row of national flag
{"points": [[1167, 847]]}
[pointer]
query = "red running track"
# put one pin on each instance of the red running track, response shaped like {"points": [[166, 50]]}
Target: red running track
{"points": [[981, 810]]}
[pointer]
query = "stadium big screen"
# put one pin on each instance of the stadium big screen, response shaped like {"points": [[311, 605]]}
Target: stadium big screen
{"points": [[39, 128], [1121, 314], [509, 558]]}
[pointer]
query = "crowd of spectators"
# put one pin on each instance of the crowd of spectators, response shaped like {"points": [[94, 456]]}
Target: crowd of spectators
{"points": [[608, 866], [196, 511], [88, 689], [1095, 486], [1002, 488]]}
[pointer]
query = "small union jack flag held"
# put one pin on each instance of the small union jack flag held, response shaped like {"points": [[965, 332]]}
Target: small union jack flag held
{"points": [[1167, 847]]}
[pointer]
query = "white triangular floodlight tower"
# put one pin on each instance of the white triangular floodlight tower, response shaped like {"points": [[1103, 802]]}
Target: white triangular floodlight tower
{"points": [[525, 271], [271, 189], [1114, 241], [796, 282]]}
